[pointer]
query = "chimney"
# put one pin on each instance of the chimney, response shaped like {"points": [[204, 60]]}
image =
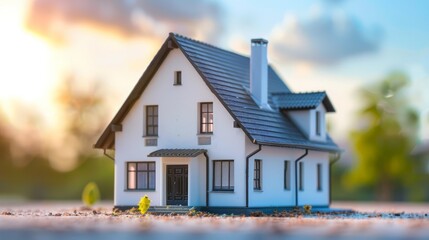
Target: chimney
{"points": [[259, 72]]}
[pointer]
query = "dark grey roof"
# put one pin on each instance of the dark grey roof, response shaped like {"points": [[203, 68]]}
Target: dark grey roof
{"points": [[177, 152], [297, 101], [227, 75]]}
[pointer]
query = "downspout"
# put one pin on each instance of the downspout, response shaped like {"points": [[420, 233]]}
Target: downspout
{"points": [[207, 178], [107, 155], [247, 172], [336, 158], [296, 175]]}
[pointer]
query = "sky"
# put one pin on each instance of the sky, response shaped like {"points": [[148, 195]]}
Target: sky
{"points": [[332, 45]]}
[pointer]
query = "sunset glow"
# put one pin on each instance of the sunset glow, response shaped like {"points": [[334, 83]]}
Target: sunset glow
{"points": [[27, 73]]}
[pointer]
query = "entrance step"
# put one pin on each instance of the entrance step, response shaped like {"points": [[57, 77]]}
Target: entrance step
{"points": [[169, 209]]}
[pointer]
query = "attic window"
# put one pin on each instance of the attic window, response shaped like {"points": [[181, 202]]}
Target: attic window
{"points": [[177, 78], [317, 123]]}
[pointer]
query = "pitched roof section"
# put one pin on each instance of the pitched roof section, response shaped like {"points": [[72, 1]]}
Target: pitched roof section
{"points": [[299, 101], [177, 152], [227, 75]]}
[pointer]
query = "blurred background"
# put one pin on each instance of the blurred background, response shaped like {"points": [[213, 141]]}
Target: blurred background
{"points": [[67, 66]]}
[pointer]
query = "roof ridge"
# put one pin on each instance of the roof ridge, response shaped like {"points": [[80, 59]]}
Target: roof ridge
{"points": [[296, 93], [208, 44]]}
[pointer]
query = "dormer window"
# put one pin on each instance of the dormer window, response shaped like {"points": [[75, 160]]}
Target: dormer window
{"points": [[177, 78], [318, 124]]}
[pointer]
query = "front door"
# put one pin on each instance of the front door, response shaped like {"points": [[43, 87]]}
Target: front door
{"points": [[177, 185]]}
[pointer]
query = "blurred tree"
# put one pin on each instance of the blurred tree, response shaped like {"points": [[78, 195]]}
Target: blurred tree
{"points": [[83, 113], [384, 140]]}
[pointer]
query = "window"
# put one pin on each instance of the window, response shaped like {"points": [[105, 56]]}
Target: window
{"points": [[257, 175], [223, 175], [177, 78], [318, 123], [301, 176], [141, 175], [287, 175], [152, 120], [206, 117], [319, 177]]}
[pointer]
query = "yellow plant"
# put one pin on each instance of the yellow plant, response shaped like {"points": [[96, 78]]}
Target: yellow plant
{"points": [[144, 204], [307, 209], [90, 194]]}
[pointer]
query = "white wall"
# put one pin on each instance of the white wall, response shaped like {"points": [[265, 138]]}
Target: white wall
{"points": [[178, 128], [310, 195], [273, 192], [306, 121]]}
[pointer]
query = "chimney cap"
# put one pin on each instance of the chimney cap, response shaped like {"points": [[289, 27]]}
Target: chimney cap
{"points": [[259, 41]]}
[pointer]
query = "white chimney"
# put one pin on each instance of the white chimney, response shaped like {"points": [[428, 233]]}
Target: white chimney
{"points": [[259, 72]]}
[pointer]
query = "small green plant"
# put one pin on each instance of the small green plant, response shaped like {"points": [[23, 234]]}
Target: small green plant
{"points": [[307, 209], [90, 194], [144, 204]]}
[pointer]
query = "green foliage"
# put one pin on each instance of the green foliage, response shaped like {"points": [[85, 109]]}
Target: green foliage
{"points": [[144, 204], [382, 144], [90, 194]]}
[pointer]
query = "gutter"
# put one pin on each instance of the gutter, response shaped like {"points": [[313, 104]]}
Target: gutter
{"points": [[296, 175], [207, 178], [336, 158], [247, 172], [107, 155]]}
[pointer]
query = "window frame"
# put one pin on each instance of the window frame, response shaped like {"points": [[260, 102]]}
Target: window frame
{"points": [[301, 176], [136, 171], [319, 177], [228, 188], [177, 78], [287, 175], [154, 124], [257, 175], [207, 124], [318, 124]]}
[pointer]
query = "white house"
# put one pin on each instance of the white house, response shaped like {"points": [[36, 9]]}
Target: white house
{"points": [[206, 127]]}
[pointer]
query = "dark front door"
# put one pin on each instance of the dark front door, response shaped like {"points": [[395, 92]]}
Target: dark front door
{"points": [[177, 185]]}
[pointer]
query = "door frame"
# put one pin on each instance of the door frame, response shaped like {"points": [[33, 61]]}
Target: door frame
{"points": [[166, 181]]}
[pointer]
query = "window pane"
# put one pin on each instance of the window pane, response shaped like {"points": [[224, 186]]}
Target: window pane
{"points": [[152, 180], [210, 107], [142, 166], [210, 128], [151, 166], [204, 118], [150, 131], [204, 107], [155, 131], [131, 180], [231, 175], [287, 175], [149, 111], [210, 117], [155, 110], [142, 180], [217, 170], [155, 120], [131, 166], [225, 176]]}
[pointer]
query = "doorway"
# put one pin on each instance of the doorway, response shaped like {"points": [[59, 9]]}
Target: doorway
{"points": [[177, 185]]}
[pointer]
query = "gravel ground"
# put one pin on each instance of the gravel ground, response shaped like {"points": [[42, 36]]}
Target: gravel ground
{"points": [[69, 221]]}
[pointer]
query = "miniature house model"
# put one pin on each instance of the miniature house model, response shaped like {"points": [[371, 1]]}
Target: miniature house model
{"points": [[211, 128]]}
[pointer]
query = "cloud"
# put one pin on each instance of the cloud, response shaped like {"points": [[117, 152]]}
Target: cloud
{"points": [[324, 38], [128, 18]]}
